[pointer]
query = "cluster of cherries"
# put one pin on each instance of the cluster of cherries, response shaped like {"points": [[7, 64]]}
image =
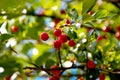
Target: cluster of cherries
{"points": [[92, 65], [56, 73], [61, 38], [108, 29]]}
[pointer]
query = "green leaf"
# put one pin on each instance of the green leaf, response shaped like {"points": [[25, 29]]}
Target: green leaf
{"points": [[49, 62], [70, 32], [89, 24], [92, 47], [101, 14], [73, 14], [81, 56], [88, 5], [41, 59], [5, 4], [97, 54], [87, 17], [27, 47], [5, 37], [32, 33], [13, 4], [9, 64]]}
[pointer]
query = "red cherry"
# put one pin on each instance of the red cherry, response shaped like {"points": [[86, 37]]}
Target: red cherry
{"points": [[68, 21], [90, 64], [106, 29], [90, 13], [8, 78], [99, 38], [14, 29], [89, 29], [117, 35], [81, 78], [54, 78], [63, 38], [63, 11], [118, 28], [44, 36], [102, 76], [71, 43], [56, 21], [57, 32], [55, 72], [57, 44]]}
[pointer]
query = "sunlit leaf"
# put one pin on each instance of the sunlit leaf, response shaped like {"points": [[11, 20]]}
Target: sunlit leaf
{"points": [[5, 37], [73, 14], [88, 5], [42, 58], [49, 62], [101, 14]]}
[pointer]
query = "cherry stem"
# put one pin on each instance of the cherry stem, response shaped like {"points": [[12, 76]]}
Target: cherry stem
{"points": [[59, 57]]}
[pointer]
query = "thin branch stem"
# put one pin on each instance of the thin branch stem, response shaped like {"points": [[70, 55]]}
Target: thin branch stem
{"points": [[87, 70], [13, 50], [31, 14], [49, 69], [59, 57]]}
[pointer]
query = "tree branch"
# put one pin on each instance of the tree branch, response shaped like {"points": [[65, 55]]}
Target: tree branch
{"points": [[31, 14], [49, 69]]}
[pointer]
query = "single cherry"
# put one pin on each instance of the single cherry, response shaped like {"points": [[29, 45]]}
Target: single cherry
{"points": [[71, 43], [68, 21], [57, 44], [81, 78], [63, 38], [8, 78], [89, 29], [63, 11], [118, 28], [14, 29], [99, 38], [55, 72], [57, 32], [90, 64], [56, 21], [90, 13], [117, 35], [54, 78], [102, 76], [106, 29], [44, 36]]}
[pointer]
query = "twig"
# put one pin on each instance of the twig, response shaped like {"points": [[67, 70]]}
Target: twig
{"points": [[35, 65], [13, 50], [87, 70], [49, 69], [59, 57], [32, 14], [70, 75]]}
